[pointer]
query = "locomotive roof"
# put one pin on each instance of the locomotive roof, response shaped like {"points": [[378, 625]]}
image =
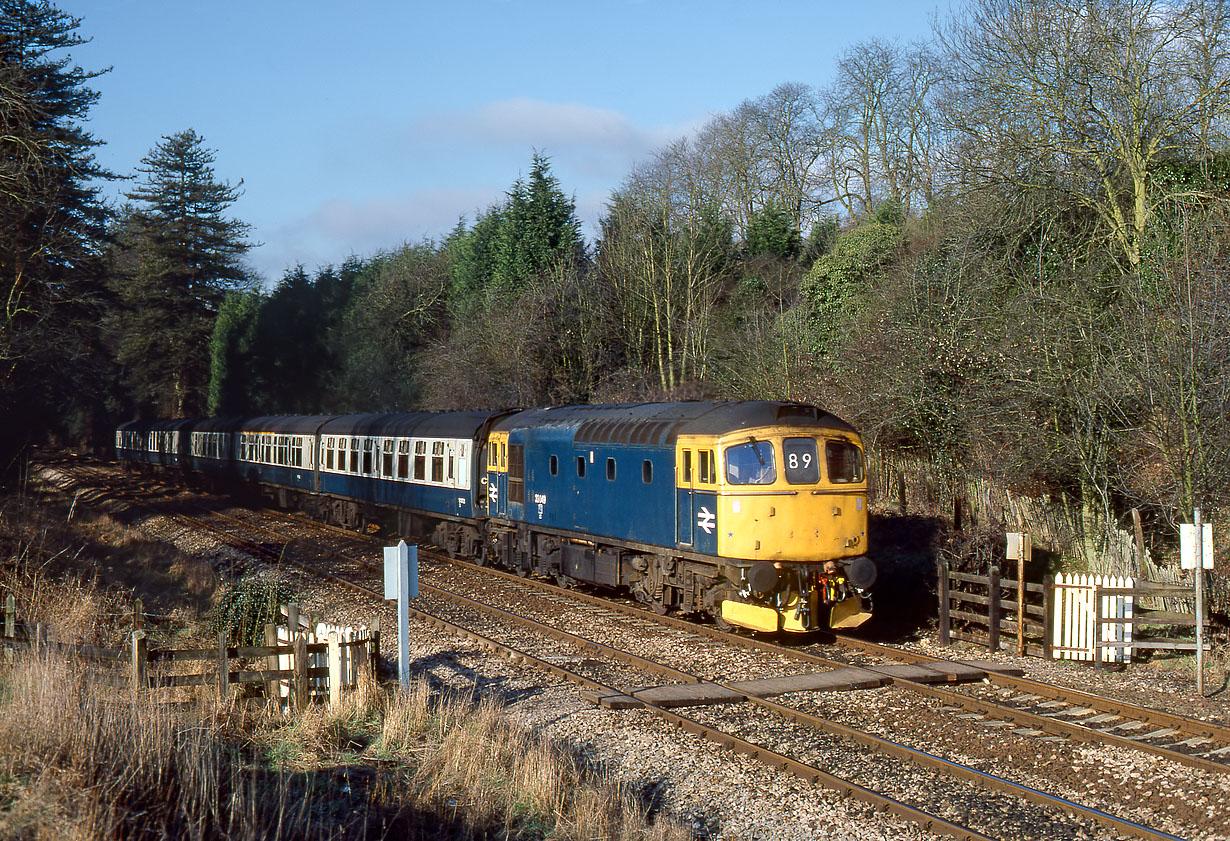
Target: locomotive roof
{"points": [[662, 423]]}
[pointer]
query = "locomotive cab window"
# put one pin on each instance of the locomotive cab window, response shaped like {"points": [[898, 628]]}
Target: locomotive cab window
{"points": [[844, 462], [802, 461], [751, 464], [706, 467]]}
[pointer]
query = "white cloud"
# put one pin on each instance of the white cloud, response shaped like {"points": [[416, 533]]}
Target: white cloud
{"points": [[600, 134]]}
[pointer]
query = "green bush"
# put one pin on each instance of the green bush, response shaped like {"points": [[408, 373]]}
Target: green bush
{"points": [[247, 605]]}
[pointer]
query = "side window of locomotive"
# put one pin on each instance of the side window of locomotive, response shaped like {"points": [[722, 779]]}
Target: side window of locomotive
{"points": [[751, 464], [844, 462], [516, 473], [580, 467], [647, 472], [686, 479], [706, 467], [553, 465], [610, 469], [802, 461]]}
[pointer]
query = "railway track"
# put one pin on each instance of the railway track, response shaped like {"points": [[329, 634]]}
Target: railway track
{"points": [[356, 573]]}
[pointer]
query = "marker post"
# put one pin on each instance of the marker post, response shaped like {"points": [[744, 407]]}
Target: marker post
{"points": [[401, 582]]}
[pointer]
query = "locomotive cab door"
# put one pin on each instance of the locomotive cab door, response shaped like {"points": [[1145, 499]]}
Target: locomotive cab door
{"points": [[497, 475], [685, 516]]}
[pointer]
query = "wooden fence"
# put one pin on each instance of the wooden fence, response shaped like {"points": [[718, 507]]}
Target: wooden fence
{"points": [[1143, 627], [986, 611], [1101, 619], [306, 666]]}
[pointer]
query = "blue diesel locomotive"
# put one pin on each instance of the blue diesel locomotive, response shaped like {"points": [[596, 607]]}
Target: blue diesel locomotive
{"points": [[754, 513]]}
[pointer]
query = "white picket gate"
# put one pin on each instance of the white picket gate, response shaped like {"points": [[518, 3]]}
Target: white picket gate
{"points": [[1074, 613], [321, 633]]}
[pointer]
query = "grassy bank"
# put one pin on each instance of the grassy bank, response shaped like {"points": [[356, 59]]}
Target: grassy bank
{"points": [[81, 760]]}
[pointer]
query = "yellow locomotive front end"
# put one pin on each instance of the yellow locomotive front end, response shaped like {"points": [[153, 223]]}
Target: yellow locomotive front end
{"points": [[786, 507]]}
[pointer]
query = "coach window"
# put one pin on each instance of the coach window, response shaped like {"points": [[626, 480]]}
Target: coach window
{"points": [[647, 472], [386, 466], [367, 456], [452, 464], [328, 453], [437, 461], [403, 459], [354, 455], [610, 469], [554, 466], [420, 460]]}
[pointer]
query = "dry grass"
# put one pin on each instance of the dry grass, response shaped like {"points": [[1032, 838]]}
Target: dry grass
{"points": [[81, 761]]}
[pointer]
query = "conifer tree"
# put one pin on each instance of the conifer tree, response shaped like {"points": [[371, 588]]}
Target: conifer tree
{"points": [[51, 221], [179, 254]]}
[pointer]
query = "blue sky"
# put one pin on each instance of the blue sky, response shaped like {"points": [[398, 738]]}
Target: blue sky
{"points": [[357, 126]]}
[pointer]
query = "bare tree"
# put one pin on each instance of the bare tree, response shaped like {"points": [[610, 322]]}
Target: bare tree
{"points": [[1086, 96], [880, 126]]}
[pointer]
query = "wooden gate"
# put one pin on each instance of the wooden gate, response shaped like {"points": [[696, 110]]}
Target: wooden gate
{"points": [[1080, 619]]}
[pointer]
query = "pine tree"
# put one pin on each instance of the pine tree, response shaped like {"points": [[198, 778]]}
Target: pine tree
{"points": [[52, 223], [180, 255]]}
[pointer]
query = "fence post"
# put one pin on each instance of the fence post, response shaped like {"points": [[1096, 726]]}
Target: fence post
{"points": [[40, 639], [373, 648], [224, 667], [292, 619], [140, 654], [272, 686], [10, 616], [301, 669], [945, 618], [1099, 653], [1048, 621], [335, 668], [138, 615], [993, 609]]}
